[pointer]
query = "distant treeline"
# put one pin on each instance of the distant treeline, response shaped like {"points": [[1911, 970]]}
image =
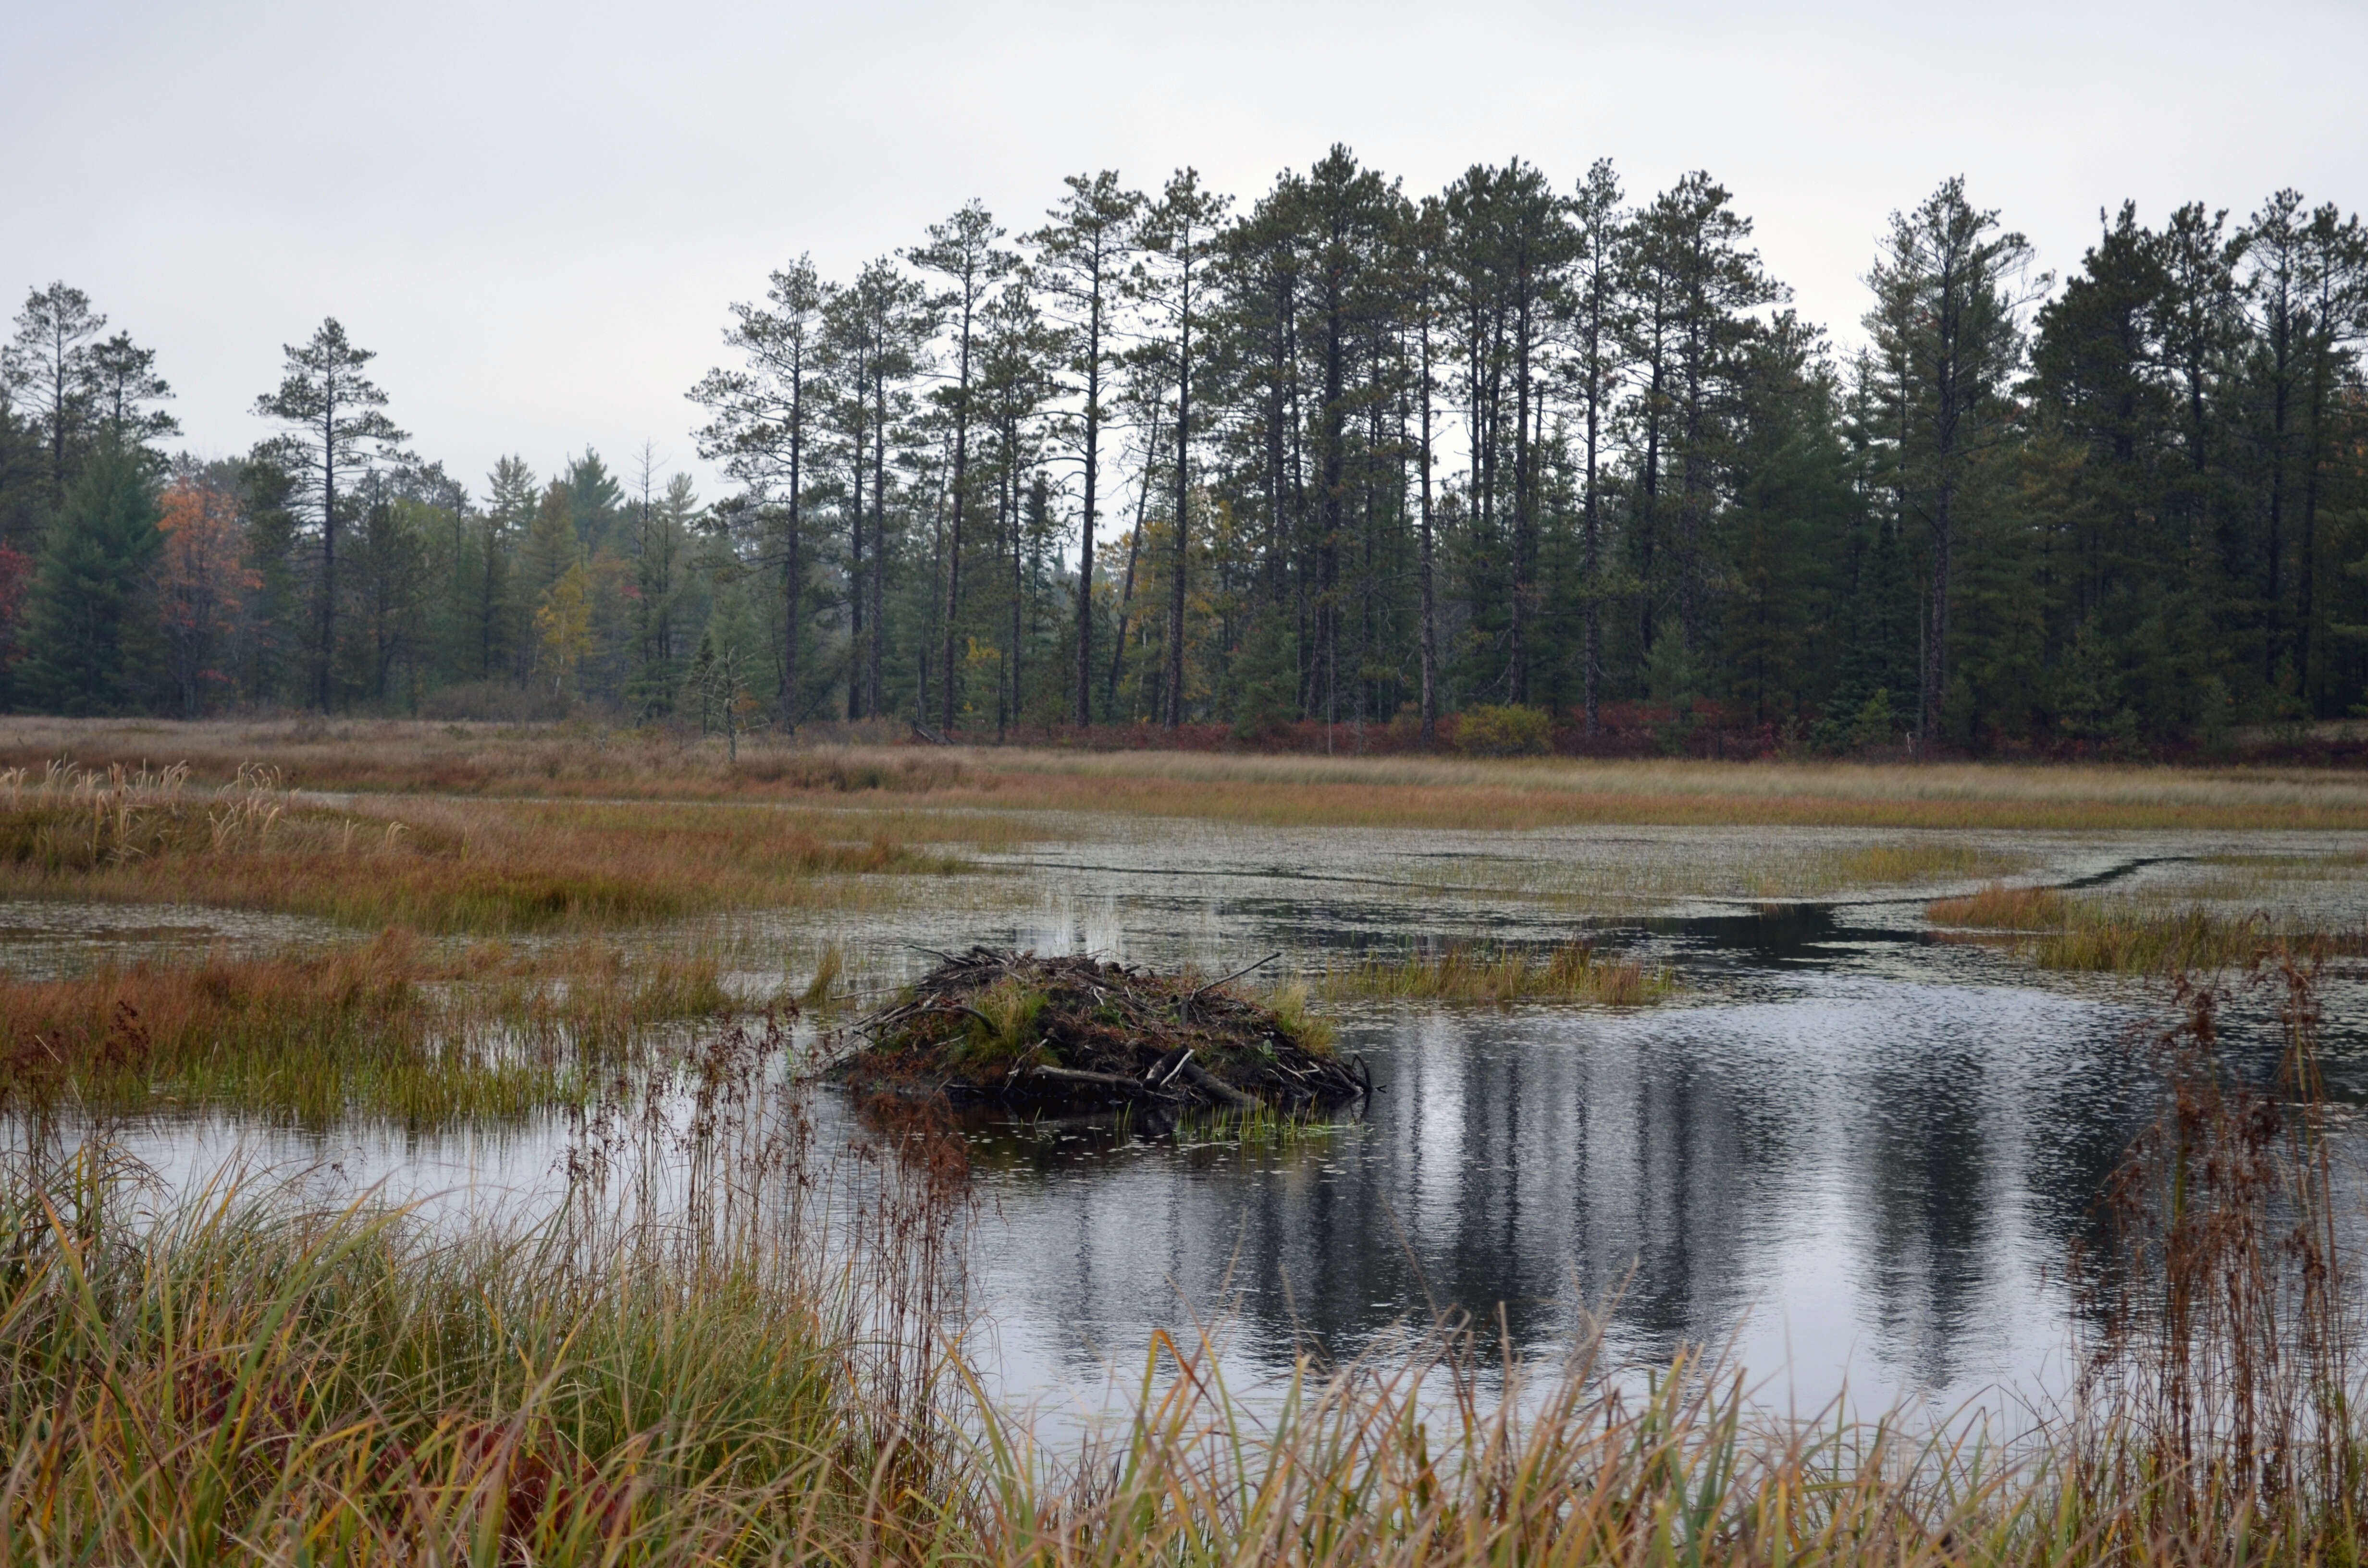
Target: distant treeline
{"points": [[1524, 459]]}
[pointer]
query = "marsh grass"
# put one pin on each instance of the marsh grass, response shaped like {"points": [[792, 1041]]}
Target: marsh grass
{"points": [[1258, 1128], [1500, 973], [2219, 1325], [2126, 936], [1998, 907], [822, 991], [427, 865], [388, 1028], [395, 756], [249, 1378], [1416, 791], [2124, 940], [1924, 860]]}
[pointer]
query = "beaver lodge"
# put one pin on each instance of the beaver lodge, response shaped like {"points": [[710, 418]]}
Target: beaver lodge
{"points": [[1074, 1033]]}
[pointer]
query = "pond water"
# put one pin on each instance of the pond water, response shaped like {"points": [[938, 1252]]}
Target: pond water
{"points": [[1856, 1156]]}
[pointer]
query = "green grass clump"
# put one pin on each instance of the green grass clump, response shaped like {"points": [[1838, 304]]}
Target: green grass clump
{"points": [[2136, 941], [1004, 1025], [1297, 1021]]}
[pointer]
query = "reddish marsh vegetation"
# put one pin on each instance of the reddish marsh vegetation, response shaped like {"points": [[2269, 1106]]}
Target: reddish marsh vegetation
{"points": [[388, 1027]]}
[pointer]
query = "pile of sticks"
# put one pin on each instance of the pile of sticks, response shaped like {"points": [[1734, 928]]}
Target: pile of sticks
{"points": [[1105, 1034]]}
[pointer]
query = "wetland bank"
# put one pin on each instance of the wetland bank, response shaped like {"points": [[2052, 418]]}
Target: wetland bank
{"points": [[1830, 1087]]}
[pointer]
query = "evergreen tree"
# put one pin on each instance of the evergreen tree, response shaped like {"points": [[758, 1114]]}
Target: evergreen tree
{"points": [[273, 635], [123, 377], [84, 606], [961, 250], [552, 545], [1081, 259], [1947, 335], [661, 588], [1792, 504], [1595, 329], [495, 612], [50, 365], [595, 502], [389, 588], [1180, 231], [337, 429], [762, 424]]}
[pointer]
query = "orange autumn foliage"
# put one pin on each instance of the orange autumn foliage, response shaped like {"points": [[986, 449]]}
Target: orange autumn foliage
{"points": [[201, 581]]}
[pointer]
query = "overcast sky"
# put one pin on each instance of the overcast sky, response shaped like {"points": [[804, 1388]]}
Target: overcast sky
{"points": [[536, 212]]}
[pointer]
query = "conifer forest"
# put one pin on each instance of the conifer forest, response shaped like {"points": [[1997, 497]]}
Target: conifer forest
{"points": [[1534, 461]]}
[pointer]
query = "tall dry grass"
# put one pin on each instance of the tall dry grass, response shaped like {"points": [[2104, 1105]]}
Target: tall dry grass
{"points": [[1392, 791], [382, 1028], [427, 865], [2127, 936]]}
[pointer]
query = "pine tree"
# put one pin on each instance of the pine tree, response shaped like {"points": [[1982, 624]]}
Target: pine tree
{"points": [[661, 558], [1180, 229], [50, 365], [762, 424], [871, 333], [273, 631], [389, 591], [84, 602], [963, 251], [337, 429], [595, 502], [122, 377], [1595, 329], [1792, 504], [550, 546], [1081, 259], [495, 609], [1949, 340]]}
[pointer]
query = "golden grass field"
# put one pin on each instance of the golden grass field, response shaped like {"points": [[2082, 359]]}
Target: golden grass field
{"points": [[489, 761]]}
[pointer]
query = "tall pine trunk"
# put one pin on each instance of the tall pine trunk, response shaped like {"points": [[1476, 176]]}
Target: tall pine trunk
{"points": [[954, 529], [1085, 694], [1183, 495], [1426, 568]]}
